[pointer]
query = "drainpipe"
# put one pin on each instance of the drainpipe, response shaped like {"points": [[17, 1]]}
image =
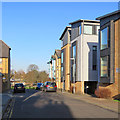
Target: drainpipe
{"points": [[82, 57]]}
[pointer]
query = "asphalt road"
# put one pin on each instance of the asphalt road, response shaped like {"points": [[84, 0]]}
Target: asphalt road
{"points": [[38, 104]]}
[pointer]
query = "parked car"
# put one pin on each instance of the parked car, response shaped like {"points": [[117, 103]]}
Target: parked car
{"points": [[50, 86], [34, 85], [39, 86], [19, 87]]}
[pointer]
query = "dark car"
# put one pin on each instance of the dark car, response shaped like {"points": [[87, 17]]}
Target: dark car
{"points": [[19, 87], [39, 86], [50, 86]]}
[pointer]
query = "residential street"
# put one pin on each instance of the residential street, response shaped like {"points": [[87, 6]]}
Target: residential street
{"points": [[38, 104]]}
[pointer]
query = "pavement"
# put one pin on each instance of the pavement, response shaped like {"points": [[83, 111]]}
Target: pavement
{"points": [[101, 102], [5, 99]]}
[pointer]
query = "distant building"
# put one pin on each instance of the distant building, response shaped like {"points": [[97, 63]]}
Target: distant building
{"points": [[51, 64], [65, 58], [5, 65], [109, 38], [57, 55]]}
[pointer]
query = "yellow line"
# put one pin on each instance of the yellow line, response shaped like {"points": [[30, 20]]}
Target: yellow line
{"points": [[12, 109]]}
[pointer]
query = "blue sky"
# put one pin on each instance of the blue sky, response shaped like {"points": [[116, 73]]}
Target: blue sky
{"points": [[33, 30]]}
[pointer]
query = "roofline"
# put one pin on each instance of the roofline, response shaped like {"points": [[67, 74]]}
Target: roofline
{"points": [[64, 32], [81, 20], [56, 52], [109, 14], [5, 44]]}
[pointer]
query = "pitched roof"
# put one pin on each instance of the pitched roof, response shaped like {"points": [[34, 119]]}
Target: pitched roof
{"points": [[5, 44], [109, 14], [64, 32], [58, 53], [53, 57]]}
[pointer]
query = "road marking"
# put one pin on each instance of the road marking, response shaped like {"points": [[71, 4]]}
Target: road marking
{"points": [[30, 97], [12, 109]]}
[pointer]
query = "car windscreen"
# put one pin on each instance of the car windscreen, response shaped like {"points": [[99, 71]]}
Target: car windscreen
{"points": [[54, 84], [18, 85], [48, 83]]}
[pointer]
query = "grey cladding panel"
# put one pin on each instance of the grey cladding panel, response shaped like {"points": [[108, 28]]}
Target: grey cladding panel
{"points": [[4, 50], [108, 19], [75, 30], [65, 39]]}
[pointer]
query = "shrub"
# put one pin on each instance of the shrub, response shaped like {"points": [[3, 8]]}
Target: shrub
{"points": [[103, 93]]}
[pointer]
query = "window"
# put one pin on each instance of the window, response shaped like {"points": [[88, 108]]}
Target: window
{"points": [[87, 29], [104, 38], [61, 71], [74, 51], [97, 29], [80, 30], [73, 63], [94, 57], [62, 57], [104, 66]]}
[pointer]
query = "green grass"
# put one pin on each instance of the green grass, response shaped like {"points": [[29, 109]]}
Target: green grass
{"points": [[117, 100]]}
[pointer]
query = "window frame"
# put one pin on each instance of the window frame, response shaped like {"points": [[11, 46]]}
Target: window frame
{"points": [[84, 29], [93, 58], [108, 36], [107, 67]]}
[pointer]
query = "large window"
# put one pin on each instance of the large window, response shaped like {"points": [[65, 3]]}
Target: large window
{"points": [[104, 66], [94, 57], [87, 29], [62, 57], [80, 30], [73, 63], [104, 38], [74, 51]]}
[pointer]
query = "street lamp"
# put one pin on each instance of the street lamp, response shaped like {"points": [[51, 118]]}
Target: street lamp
{"points": [[73, 73]]}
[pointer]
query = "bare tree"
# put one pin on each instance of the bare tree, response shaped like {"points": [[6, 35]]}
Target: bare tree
{"points": [[32, 67]]}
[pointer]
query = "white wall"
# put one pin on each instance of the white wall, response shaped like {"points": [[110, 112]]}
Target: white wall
{"points": [[84, 57]]}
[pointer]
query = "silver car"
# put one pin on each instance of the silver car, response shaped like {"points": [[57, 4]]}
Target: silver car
{"points": [[50, 86]]}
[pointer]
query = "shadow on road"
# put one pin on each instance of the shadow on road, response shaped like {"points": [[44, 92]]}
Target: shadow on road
{"points": [[41, 105]]}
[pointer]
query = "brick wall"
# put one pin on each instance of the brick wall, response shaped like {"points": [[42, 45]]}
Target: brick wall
{"points": [[78, 87]]}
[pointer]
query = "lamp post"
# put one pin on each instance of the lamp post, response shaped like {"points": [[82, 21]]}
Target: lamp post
{"points": [[73, 74]]}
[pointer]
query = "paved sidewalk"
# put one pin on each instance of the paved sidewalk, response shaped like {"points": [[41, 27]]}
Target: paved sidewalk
{"points": [[5, 99], [101, 102]]}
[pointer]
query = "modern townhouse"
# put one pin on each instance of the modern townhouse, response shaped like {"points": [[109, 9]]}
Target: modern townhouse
{"points": [[65, 58], [109, 38], [57, 55], [5, 65], [84, 55]]}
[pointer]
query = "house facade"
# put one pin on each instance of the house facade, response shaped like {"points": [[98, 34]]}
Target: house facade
{"points": [[84, 55], [109, 38], [5, 65], [57, 55], [65, 58]]}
